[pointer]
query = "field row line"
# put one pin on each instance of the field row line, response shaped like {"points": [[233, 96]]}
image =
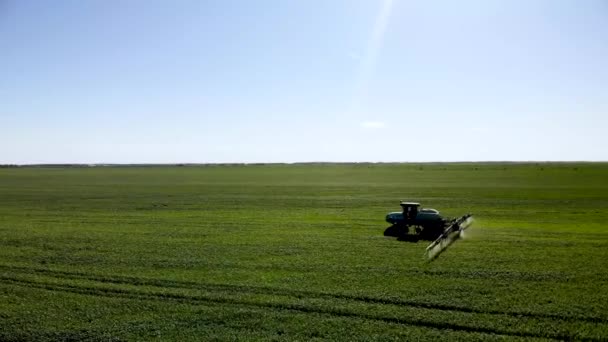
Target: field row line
{"points": [[133, 294], [266, 290]]}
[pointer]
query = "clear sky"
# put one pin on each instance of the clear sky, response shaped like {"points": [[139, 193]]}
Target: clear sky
{"points": [[108, 81]]}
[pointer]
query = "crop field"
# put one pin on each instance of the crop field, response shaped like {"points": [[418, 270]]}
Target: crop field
{"points": [[296, 252]]}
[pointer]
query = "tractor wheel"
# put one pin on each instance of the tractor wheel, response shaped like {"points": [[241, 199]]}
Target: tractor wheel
{"points": [[403, 230], [431, 232], [396, 231], [392, 231]]}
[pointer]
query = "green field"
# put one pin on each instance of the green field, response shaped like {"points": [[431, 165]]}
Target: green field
{"points": [[286, 252]]}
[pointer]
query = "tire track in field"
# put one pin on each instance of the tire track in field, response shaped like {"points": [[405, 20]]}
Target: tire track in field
{"points": [[190, 299], [264, 290], [139, 295]]}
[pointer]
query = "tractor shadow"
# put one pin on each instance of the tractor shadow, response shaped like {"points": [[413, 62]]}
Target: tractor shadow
{"points": [[409, 238], [398, 233]]}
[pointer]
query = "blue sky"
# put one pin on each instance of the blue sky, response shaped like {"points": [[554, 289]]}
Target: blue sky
{"points": [[305, 80]]}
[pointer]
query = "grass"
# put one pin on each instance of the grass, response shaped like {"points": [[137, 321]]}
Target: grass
{"points": [[284, 252]]}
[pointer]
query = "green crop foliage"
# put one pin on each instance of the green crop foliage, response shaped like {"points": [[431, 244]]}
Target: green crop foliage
{"points": [[296, 252]]}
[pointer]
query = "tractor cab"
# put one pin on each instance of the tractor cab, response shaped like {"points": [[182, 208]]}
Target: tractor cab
{"points": [[410, 210]]}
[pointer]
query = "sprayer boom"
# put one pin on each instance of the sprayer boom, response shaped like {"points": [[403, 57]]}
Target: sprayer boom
{"points": [[452, 233]]}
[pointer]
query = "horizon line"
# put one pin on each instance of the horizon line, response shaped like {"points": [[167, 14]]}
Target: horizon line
{"points": [[15, 165]]}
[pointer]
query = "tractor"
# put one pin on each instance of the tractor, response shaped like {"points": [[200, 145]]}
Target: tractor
{"points": [[415, 223]]}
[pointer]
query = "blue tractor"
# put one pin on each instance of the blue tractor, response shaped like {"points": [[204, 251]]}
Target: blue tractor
{"points": [[416, 223]]}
